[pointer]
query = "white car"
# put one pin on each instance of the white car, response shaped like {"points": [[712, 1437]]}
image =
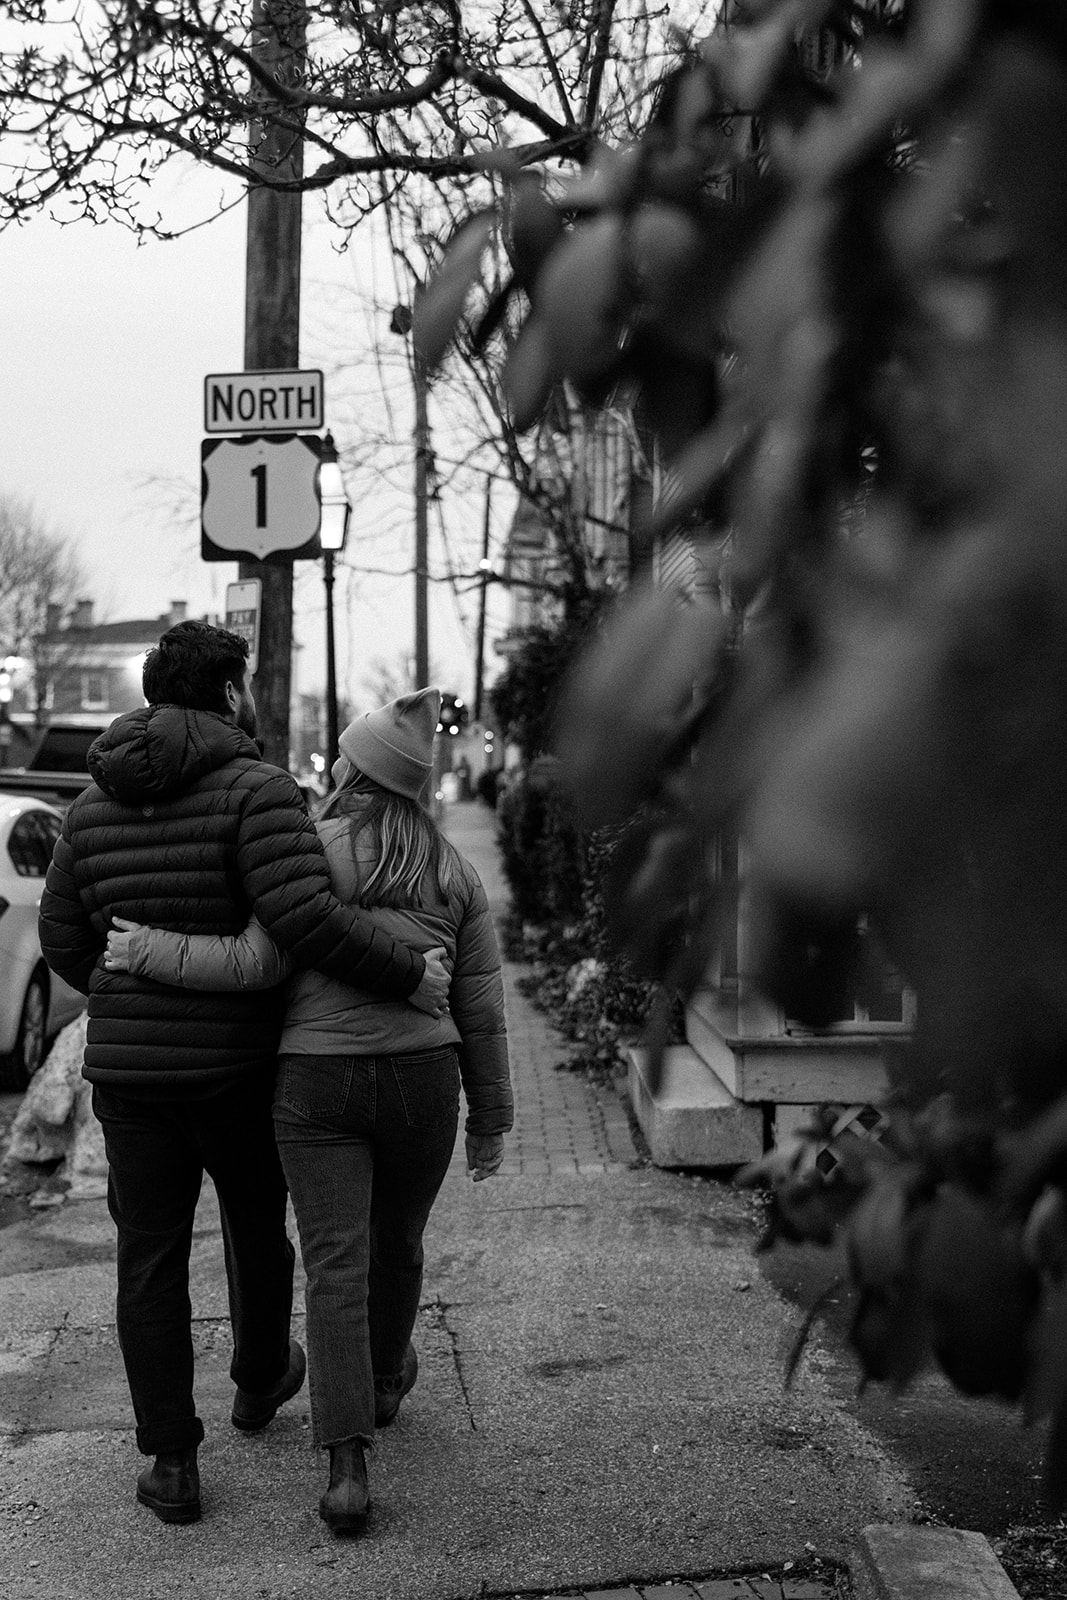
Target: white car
{"points": [[34, 1003]]}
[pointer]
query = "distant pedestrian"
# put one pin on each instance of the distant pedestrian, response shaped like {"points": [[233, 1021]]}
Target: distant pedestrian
{"points": [[367, 1101], [185, 825]]}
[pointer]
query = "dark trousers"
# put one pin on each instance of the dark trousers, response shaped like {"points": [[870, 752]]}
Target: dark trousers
{"points": [[158, 1152], [365, 1142]]}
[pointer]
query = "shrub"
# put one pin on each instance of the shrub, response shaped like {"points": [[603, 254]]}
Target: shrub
{"points": [[556, 875], [543, 849]]}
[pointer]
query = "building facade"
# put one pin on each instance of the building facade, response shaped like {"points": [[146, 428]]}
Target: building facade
{"points": [[83, 672]]}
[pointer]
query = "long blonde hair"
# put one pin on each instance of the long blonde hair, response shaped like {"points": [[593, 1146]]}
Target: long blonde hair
{"points": [[414, 859]]}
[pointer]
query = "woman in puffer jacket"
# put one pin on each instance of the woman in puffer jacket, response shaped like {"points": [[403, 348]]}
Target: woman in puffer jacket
{"points": [[366, 1105]]}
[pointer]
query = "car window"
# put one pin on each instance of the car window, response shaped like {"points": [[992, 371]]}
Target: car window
{"points": [[51, 828], [29, 845]]}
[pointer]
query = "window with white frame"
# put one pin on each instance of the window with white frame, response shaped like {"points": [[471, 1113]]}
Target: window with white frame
{"points": [[94, 691]]}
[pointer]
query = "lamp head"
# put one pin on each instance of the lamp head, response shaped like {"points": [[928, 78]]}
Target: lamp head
{"points": [[336, 510]]}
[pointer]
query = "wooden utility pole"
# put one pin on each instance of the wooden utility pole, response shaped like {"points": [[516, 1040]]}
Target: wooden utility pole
{"points": [[422, 476], [272, 334], [400, 323]]}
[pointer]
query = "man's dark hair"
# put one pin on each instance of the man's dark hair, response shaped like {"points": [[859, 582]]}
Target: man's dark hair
{"points": [[191, 666]]}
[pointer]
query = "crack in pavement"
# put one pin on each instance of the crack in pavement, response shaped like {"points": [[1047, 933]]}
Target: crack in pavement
{"points": [[438, 1310]]}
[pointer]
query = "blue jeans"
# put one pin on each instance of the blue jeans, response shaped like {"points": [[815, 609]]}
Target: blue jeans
{"points": [[158, 1152], [365, 1142]]}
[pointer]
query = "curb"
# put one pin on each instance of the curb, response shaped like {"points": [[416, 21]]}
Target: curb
{"points": [[905, 1562]]}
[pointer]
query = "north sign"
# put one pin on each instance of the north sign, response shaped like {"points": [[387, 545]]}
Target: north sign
{"points": [[259, 499], [263, 402]]}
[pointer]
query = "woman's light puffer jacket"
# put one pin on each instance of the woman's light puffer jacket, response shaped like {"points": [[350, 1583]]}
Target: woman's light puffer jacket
{"points": [[324, 1016]]}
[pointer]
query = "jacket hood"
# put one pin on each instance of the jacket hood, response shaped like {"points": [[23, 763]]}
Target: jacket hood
{"points": [[161, 750]]}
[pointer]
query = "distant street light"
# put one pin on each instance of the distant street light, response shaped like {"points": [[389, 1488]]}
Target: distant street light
{"points": [[7, 670], [333, 530]]}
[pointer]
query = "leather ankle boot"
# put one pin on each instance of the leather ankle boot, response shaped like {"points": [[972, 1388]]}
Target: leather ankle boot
{"points": [[345, 1504], [388, 1392], [171, 1486]]}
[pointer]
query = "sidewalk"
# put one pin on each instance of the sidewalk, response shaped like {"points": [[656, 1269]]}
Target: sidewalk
{"points": [[599, 1410], [562, 1124]]}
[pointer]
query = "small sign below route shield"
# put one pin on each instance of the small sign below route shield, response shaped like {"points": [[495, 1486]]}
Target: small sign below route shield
{"points": [[243, 610]]}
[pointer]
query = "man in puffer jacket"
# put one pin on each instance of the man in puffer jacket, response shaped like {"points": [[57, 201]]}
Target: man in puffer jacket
{"points": [[186, 827]]}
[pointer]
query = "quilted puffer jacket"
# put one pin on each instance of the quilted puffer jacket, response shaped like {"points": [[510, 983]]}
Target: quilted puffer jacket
{"points": [[185, 827]]}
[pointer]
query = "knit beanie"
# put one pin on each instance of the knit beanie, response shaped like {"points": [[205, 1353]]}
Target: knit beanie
{"points": [[394, 745]]}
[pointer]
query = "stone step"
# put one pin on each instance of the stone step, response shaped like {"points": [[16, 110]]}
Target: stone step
{"points": [[688, 1117], [907, 1562]]}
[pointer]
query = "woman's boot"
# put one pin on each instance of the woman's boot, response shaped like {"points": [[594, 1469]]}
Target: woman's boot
{"points": [[345, 1504]]}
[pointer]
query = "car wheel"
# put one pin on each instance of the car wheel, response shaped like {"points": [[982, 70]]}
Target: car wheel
{"points": [[18, 1068]]}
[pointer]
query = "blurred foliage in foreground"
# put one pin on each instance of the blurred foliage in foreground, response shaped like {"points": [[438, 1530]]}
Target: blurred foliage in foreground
{"points": [[839, 299], [557, 869]]}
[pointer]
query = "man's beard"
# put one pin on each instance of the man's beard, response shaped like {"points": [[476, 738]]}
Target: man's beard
{"points": [[246, 719]]}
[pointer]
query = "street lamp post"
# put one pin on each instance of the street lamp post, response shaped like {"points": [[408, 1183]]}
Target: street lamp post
{"points": [[333, 530]]}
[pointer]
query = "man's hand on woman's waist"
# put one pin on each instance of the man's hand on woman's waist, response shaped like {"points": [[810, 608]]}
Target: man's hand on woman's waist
{"points": [[432, 994]]}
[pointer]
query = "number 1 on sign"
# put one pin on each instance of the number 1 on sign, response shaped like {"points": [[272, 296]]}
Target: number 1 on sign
{"points": [[260, 475]]}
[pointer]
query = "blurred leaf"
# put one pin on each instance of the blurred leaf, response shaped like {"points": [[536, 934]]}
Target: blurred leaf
{"points": [[534, 229], [1020, 104], [679, 398], [606, 181], [979, 1293], [493, 316], [1045, 1234], [771, 507], [440, 305], [685, 263], [633, 696], [698, 470], [890, 1338], [530, 373], [1046, 1384], [657, 882], [582, 300], [879, 1235], [808, 1209], [1035, 1156], [901, 87]]}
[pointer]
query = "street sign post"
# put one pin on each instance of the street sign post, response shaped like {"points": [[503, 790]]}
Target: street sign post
{"points": [[263, 402], [243, 607], [260, 499]]}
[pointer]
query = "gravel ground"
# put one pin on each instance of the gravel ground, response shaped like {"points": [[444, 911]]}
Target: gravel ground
{"points": [[1035, 1559]]}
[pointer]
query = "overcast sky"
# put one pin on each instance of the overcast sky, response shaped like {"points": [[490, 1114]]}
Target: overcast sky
{"points": [[105, 349]]}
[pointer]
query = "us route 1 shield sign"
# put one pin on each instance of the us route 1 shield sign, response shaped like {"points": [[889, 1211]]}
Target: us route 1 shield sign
{"points": [[260, 498]]}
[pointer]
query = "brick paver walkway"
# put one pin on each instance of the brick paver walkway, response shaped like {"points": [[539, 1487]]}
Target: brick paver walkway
{"points": [[563, 1124]]}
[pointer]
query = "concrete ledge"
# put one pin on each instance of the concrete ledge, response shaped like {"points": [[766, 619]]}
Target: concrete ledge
{"points": [[690, 1119], [918, 1563], [788, 1068]]}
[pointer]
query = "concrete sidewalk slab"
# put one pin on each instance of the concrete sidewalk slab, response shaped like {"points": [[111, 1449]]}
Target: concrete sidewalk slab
{"points": [[600, 1401]]}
